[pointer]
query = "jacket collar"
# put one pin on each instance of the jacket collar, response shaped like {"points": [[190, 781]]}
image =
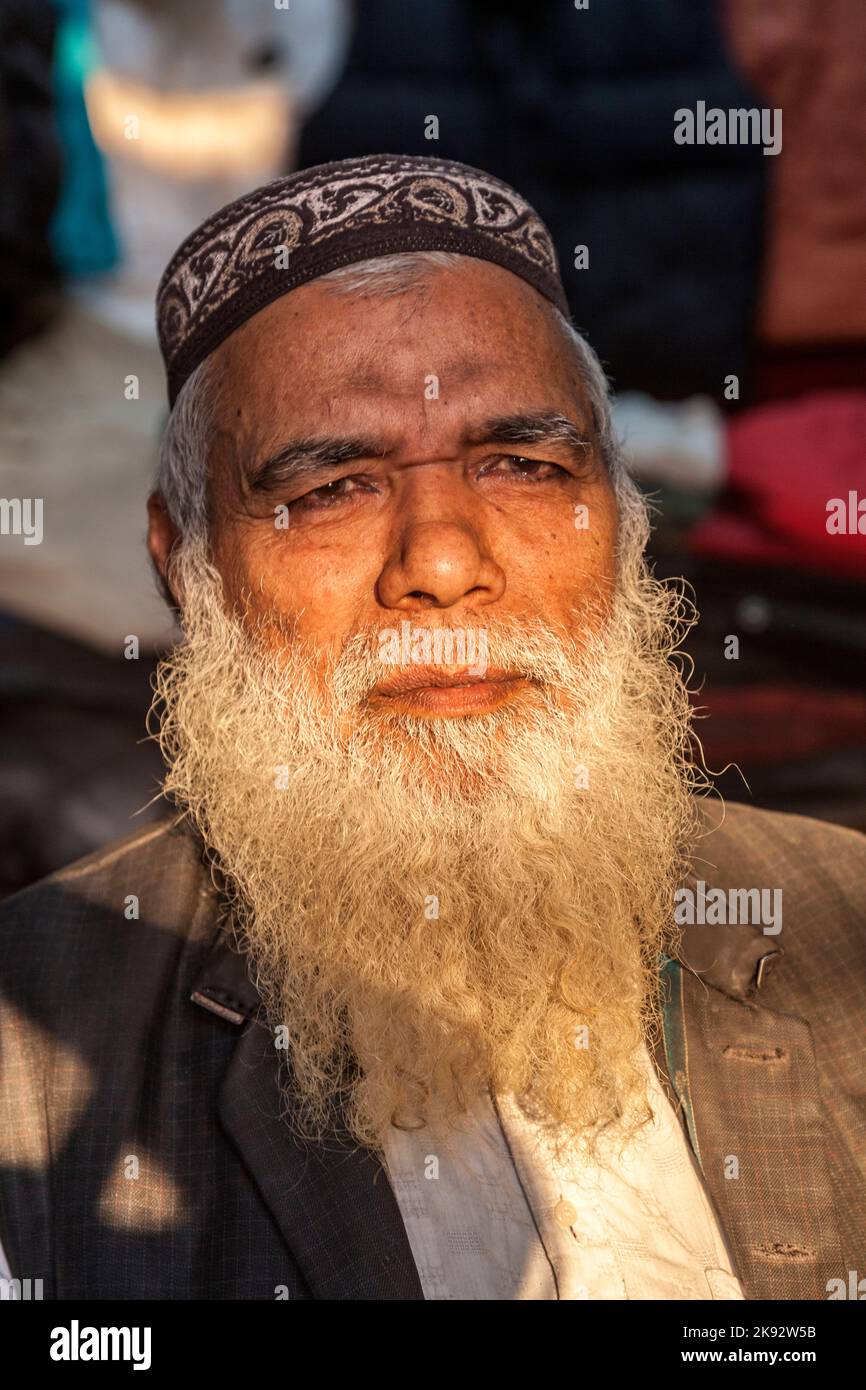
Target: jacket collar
{"points": [[734, 959], [224, 986]]}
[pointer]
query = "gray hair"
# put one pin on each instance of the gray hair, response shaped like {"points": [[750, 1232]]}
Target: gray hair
{"points": [[182, 471]]}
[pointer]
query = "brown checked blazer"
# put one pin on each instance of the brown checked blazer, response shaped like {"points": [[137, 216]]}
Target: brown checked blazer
{"points": [[131, 1047]]}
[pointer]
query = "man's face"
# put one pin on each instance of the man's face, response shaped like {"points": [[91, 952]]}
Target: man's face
{"points": [[451, 929], [408, 498]]}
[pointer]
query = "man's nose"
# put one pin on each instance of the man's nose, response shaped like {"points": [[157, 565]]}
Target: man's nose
{"points": [[437, 563]]}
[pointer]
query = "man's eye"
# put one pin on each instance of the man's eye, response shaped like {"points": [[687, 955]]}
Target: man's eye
{"points": [[524, 469], [328, 495]]}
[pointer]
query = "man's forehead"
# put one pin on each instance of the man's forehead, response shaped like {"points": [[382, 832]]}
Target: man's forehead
{"points": [[401, 383], [336, 358]]}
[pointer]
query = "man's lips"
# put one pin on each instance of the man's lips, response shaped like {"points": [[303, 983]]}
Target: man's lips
{"points": [[448, 690], [440, 677]]}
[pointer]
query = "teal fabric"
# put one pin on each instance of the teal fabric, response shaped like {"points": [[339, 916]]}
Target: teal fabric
{"points": [[82, 235], [670, 974]]}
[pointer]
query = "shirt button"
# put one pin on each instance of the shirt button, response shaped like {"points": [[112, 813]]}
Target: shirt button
{"points": [[565, 1214]]}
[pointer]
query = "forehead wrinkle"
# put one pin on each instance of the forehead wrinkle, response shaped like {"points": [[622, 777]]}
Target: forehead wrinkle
{"points": [[370, 380], [366, 380]]}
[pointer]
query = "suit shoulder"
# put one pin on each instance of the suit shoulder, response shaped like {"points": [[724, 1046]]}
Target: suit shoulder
{"points": [[155, 875], [819, 867], [736, 831]]}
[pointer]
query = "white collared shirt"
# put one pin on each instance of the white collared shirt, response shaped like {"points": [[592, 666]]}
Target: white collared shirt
{"points": [[493, 1214]]}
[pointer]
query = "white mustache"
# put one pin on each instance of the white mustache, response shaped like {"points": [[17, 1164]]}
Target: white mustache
{"points": [[525, 647]]}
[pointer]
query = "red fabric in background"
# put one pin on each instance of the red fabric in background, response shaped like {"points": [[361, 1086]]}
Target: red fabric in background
{"points": [[785, 462], [759, 725]]}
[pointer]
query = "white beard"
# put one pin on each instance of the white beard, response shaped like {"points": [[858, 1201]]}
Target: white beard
{"points": [[449, 902]]}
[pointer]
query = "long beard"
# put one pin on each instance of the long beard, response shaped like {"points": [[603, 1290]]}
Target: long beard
{"points": [[433, 907]]}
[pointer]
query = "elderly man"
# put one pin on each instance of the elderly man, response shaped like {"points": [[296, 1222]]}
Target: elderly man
{"points": [[442, 982]]}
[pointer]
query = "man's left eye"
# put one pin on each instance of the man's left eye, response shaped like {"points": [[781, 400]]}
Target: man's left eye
{"points": [[525, 469]]}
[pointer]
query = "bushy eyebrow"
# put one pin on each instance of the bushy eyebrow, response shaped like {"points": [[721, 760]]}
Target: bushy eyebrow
{"points": [[313, 455], [310, 456], [534, 427]]}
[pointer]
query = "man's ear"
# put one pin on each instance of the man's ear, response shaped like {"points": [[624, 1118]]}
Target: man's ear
{"points": [[162, 537]]}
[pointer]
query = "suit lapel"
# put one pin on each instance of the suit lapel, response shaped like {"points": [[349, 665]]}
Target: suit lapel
{"points": [[333, 1202]]}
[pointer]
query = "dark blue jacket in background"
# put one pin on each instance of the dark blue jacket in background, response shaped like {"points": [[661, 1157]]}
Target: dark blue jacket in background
{"points": [[575, 108]]}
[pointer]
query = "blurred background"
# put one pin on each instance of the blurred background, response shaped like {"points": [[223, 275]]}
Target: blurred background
{"points": [[724, 288]]}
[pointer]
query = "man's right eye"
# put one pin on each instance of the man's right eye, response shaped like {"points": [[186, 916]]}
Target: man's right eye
{"points": [[328, 495]]}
